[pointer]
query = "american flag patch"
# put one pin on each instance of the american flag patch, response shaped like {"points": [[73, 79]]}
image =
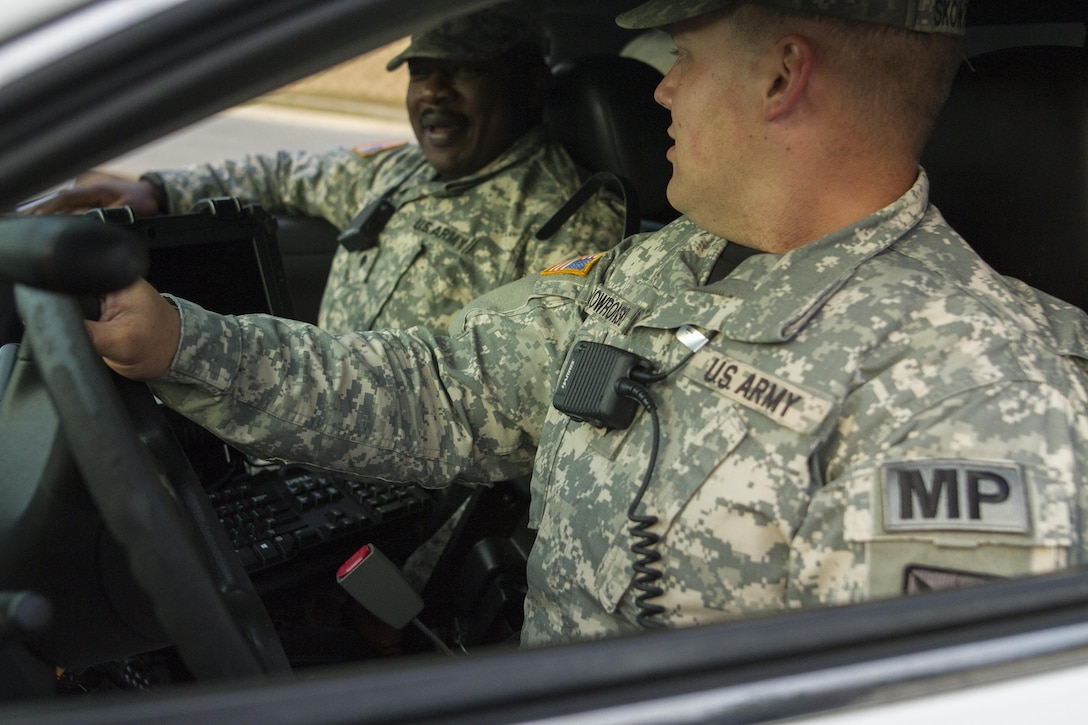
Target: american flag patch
{"points": [[579, 265], [377, 148]]}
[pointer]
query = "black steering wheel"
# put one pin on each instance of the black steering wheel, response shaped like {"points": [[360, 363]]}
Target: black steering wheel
{"points": [[150, 497]]}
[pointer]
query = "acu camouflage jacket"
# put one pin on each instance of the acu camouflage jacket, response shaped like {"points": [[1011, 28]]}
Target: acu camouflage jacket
{"points": [[448, 241], [875, 412]]}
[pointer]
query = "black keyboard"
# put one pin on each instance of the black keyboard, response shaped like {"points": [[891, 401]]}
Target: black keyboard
{"points": [[274, 516]]}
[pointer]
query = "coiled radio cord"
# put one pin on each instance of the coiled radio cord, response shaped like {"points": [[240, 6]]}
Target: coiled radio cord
{"points": [[644, 546], [597, 385]]}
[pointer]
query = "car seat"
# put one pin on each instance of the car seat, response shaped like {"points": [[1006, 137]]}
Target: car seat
{"points": [[602, 110], [1008, 164]]}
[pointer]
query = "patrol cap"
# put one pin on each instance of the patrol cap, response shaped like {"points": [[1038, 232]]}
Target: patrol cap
{"points": [[924, 16], [478, 36]]}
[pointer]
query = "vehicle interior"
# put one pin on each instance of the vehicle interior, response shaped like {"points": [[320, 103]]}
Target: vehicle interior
{"points": [[145, 563]]}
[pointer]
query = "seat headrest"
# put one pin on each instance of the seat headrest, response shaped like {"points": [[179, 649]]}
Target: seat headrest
{"points": [[1008, 164], [603, 112]]}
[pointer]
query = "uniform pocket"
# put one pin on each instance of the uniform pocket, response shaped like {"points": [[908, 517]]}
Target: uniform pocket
{"points": [[587, 479], [344, 301]]}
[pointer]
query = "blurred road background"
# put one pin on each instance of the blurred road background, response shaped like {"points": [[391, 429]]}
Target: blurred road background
{"points": [[259, 127], [355, 104]]}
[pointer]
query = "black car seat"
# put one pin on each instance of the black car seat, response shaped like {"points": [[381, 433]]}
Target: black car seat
{"points": [[602, 110], [1008, 164]]}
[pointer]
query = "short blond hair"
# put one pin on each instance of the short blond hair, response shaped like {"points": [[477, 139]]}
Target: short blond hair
{"points": [[898, 78]]}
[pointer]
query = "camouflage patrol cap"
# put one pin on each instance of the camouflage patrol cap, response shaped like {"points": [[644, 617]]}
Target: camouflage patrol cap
{"points": [[924, 16], [478, 36]]}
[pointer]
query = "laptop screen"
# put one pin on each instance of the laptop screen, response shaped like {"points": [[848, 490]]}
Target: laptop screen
{"points": [[221, 255]]}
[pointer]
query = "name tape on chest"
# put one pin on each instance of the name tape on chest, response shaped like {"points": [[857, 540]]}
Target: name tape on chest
{"points": [[784, 402], [954, 495], [446, 234], [609, 307]]}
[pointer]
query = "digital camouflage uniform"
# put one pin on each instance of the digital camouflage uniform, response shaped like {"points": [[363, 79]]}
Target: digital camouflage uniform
{"points": [[448, 242], [876, 411]]}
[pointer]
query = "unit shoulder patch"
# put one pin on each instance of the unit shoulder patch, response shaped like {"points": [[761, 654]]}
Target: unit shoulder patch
{"points": [[376, 148], [920, 579]]}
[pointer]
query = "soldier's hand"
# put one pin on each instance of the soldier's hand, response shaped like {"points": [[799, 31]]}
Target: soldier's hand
{"points": [[142, 196], [138, 332]]}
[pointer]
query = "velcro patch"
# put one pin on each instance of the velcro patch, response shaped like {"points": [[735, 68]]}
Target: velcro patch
{"points": [[954, 495], [606, 305], [784, 402], [377, 148], [920, 579], [579, 266]]}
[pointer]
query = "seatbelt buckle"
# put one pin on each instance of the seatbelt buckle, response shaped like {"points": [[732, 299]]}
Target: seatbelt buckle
{"points": [[378, 584]]}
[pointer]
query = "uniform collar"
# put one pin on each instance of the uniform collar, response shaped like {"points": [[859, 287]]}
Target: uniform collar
{"points": [[796, 285], [526, 145]]}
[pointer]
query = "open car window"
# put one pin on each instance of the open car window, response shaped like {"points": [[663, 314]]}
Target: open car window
{"points": [[113, 95]]}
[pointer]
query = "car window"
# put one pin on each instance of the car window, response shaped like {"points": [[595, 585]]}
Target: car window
{"points": [[196, 106]]}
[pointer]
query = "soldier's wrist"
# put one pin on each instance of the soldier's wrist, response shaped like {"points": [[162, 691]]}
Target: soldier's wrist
{"points": [[155, 183]]}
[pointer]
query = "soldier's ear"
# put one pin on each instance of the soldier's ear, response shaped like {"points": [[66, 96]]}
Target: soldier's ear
{"points": [[787, 81]]}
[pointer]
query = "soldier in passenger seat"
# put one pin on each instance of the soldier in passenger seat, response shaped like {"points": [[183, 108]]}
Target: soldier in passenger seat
{"points": [[427, 227]]}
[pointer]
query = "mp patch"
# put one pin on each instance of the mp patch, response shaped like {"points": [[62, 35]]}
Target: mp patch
{"points": [[954, 495]]}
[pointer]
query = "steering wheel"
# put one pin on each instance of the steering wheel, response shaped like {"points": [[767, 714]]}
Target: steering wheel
{"points": [[150, 498]]}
